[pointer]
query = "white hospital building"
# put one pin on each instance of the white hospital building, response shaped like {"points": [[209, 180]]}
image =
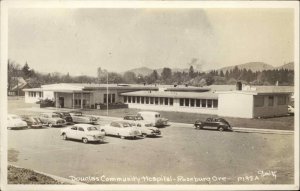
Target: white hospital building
{"points": [[222, 100]]}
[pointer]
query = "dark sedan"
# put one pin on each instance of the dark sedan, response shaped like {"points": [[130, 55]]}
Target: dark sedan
{"points": [[66, 116], [213, 123]]}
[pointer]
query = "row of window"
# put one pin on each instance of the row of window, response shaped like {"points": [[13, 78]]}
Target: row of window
{"points": [[148, 100], [111, 98], [34, 94], [202, 103], [259, 101]]}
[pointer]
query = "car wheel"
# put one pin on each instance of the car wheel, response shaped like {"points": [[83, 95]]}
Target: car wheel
{"points": [[65, 137], [122, 137], [221, 128], [85, 140], [50, 124], [198, 127], [144, 135]]}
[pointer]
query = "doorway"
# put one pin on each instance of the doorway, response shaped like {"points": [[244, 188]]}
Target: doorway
{"points": [[61, 102]]}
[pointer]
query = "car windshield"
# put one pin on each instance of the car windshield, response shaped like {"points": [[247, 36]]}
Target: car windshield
{"points": [[55, 115], [36, 119], [148, 125], [66, 114], [78, 114], [92, 128], [138, 118], [126, 125]]}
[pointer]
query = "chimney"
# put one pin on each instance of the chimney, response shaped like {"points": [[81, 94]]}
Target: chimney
{"points": [[238, 86]]}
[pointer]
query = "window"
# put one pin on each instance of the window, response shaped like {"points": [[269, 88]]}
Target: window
{"points": [[156, 101], [197, 102], [104, 99], [166, 101], [203, 103], [147, 100], [281, 100], [142, 100], [271, 101], [125, 99], [161, 101], [129, 99], [171, 101], [114, 124], [133, 99], [74, 128], [113, 98], [192, 102], [80, 129], [259, 101], [138, 99], [209, 103], [187, 102], [181, 102], [109, 98], [215, 103], [151, 100]]}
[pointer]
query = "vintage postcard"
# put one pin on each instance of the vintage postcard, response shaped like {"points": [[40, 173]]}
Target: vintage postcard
{"points": [[149, 95]]}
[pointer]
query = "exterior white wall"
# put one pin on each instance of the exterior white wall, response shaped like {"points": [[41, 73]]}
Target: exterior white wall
{"points": [[48, 95], [269, 111], [30, 99], [236, 105], [175, 107]]}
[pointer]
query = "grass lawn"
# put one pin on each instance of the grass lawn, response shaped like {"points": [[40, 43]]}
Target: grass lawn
{"points": [[282, 123], [24, 176]]}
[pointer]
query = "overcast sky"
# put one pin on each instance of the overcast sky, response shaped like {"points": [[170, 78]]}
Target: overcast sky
{"points": [[80, 40]]}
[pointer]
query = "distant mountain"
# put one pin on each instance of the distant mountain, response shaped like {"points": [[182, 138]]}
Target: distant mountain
{"points": [[143, 71], [289, 66], [254, 66]]}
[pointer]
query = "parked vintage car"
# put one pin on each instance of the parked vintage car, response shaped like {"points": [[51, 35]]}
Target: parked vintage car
{"points": [[133, 117], [66, 116], [52, 119], [146, 128], [78, 117], [15, 122], [33, 121], [122, 129], [291, 110], [154, 118], [84, 132], [213, 123]]}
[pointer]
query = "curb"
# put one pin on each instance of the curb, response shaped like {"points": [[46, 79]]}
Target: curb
{"points": [[57, 178], [266, 131]]}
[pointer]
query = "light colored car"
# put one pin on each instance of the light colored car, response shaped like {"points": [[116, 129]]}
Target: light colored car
{"points": [[146, 128], [153, 117], [15, 122], [84, 132], [78, 117], [122, 129], [52, 119], [291, 110]]}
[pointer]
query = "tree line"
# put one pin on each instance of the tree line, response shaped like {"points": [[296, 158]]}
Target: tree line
{"points": [[191, 77]]}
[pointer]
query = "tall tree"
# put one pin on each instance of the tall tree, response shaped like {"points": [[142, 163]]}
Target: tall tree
{"points": [[166, 75]]}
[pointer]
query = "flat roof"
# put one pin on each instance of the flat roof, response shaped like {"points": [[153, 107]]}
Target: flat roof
{"points": [[195, 95]]}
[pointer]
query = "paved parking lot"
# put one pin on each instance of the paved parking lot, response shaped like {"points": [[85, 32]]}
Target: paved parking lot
{"points": [[181, 156]]}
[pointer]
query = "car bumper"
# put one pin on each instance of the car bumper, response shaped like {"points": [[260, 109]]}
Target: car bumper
{"points": [[97, 138], [17, 128], [36, 126]]}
